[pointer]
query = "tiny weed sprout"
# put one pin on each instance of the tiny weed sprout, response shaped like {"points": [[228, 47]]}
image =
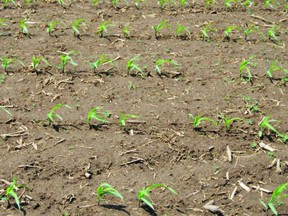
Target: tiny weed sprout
{"points": [[23, 27], [272, 35], [60, 2], [137, 3], [248, 30], [6, 2], [268, 4], [244, 67], [76, 24], [124, 117], [205, 31], [251, 105], [36, 61], [143, 195], [161, 62], [265, 124], [65, 59], [103, 28], [52, 26], [2, 78], [197, 120], [183, 3], [102, 60], [182, 31], [273, 68], [2, 22], [229, 30], [278, 194], [95, 2], [209, 3], [157, 28], [107, 189], [4, 109], [94, 113], [132, 66], [51, 115], [126, 32], [247, 4], [228, 4], [10, 191], [228, 122]]}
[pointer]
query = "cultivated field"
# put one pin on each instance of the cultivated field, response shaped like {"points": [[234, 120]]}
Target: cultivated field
{"points": [[188, 97]]}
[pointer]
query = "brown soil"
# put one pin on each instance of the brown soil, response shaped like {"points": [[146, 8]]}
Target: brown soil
{"points": [[62, 166]]}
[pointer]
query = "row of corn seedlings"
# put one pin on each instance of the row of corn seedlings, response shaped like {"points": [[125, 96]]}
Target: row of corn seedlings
{"points": [[161, 67], [229, 5], [181, 31]]}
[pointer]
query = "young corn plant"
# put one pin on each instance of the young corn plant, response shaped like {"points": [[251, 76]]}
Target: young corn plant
{"points": [[95, 114], [269, 4], [183, 31], [51, 114], [264, 124], [206, 31], [6, 2], [161, 62], [51, 26], [228, 122], [103, 28], [65, 59], [36, 62], [209, 4], [163, 3], [61, 2], [247, 4], [229, 30], [132, 66], [100, 61], [106, 189], [272, 34], [2, 78], [248, 30], [273, 68], [124, 117], [245, 67], [10, 192], [76, 24], [278, 194], [95, 2], [144, 197], [228, 4], [126, 32], [197, 120], [24, 28], [157, 28], [183, 3], [6, 62]]}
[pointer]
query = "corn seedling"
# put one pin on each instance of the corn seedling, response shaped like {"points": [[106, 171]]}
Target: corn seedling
{"points": [[102, 60], [94, 113], [51, 115], [182, 31], [273, 68], [157, 28], [36, 61], [65, 59], [205, 31], [183, 3], [244, 67], [103, 28], [228, 4], [52, 26], [107, 189], [265, 124], [229, 30], [247, 4], [10, 191], [4, 109], [271, 34], [6, 2], [228, 122], [6, 62], [126, 32], [2, 22], [124, 117], [162, 3], [23, 27], [268, 3], [60, 2], [143, 195], [197, 120], [209, 3], [76, 24], [248, 30], [95, 2], [132, 66], [161, 62], [278, 194]]}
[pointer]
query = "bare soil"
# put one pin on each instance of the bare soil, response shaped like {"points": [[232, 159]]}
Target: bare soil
{"points": [[62, 166]]}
